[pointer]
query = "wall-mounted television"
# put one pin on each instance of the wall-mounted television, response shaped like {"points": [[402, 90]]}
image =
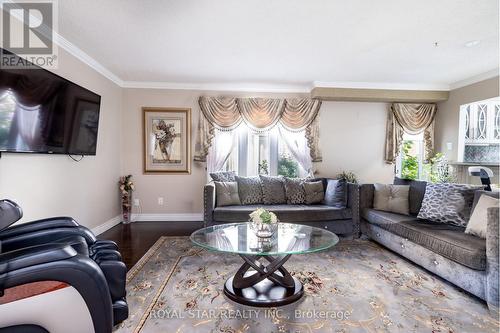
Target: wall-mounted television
{"points": [[41, 112]]}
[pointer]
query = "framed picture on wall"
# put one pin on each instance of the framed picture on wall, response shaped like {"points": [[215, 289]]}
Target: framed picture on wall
{"points": [[167, 140]]}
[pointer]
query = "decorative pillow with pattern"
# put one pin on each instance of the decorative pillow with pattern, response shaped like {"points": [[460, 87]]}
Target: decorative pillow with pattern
{"points": [[315, 192], [336, 193], [273, 190], [294, 190], [250, 190], [223, 176], [448, 203]]}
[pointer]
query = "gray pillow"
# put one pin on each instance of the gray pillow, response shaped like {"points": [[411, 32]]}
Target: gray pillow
{"points": [[336, 194], [314, 192], [417, 192], [273, 190], [223, 176], [392, 198], [448, 203], [294, 190], [250, 190], [227, 193]]}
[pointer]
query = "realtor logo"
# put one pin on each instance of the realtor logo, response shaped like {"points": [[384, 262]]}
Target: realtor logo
{"points": [[27, 31]]}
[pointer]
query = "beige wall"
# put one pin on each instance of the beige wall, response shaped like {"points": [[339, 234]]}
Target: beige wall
{"points": [[352, 138], [447, 118], [51, 185]]}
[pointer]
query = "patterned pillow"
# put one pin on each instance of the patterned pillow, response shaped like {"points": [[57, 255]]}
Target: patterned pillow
{"points": [[223, 176], [294, 190], [448, 203], [273, 190], [227, 194], [314, 192], [250, 190]]}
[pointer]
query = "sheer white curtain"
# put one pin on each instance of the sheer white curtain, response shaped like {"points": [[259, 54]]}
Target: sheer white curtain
{"points": [[296, 143], [224, 143]]}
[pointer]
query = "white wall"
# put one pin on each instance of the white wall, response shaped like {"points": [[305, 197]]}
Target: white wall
{"points": [[52, 185]]}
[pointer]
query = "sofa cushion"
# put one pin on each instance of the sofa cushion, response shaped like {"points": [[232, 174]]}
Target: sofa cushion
{"points": [[227, 193], [223, 176], [448, 203], [273, 189], [417, 192], [285, 213], [249, 190], [336, 193], [447, 240], [478, 221], [315, 192], [392, 198], [294, 189]]}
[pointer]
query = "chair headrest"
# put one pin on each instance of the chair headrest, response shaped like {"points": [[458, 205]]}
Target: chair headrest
{"points": [[10, 212]]}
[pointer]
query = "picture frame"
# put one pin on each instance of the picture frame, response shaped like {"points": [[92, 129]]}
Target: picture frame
{"points": [[166, 140]]}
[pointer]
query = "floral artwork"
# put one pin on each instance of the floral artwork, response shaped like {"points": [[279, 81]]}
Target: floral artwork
{"points": [[167, 140]]}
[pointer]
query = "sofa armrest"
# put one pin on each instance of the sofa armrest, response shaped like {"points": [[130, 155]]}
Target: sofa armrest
{"points": [[353, 203], [366, 192], [492, 259], [208, 204], [34, 226]]}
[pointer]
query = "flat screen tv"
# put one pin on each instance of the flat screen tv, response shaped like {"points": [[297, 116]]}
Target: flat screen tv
{"points": [[41, 112]]}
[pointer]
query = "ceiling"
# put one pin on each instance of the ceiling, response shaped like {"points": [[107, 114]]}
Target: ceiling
{"points": [[286, 43]]}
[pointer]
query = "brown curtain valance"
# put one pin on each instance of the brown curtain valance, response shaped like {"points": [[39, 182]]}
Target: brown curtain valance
{"points": [[260, 114], [412, 119]]}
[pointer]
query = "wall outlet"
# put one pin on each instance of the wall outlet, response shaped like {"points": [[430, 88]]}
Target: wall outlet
{"points": [[449, 145], [160, 201], [137, 203]]}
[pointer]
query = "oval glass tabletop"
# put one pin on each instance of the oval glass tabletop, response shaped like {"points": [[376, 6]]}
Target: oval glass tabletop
{"points": [[241, 238]]}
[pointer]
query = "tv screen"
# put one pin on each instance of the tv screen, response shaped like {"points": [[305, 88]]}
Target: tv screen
{"points": [[41, 112]]}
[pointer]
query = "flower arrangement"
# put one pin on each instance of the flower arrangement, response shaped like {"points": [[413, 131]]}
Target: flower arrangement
{"points": [[126, 187], [264, 223], [262, 215]]}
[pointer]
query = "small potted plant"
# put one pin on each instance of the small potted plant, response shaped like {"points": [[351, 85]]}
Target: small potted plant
{"points": [[264, 222], [126, 189]]}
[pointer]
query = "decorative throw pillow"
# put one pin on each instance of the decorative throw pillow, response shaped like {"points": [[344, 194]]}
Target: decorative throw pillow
{"points": [[295, 194], [336, 194], [479, 218], [448, 203], [273, 190], [227, 193], [223, 176], [417, 192], [250, 190], [392, 198], [314, 192]]}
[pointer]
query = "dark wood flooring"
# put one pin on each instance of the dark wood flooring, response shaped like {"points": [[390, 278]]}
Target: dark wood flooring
{"points": [[135, 239]]}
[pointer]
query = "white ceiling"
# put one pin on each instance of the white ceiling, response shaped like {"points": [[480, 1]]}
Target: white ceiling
{"points": [[286, 43]]}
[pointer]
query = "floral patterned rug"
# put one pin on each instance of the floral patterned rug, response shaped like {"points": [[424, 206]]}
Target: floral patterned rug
{"points": [[356, 286]]}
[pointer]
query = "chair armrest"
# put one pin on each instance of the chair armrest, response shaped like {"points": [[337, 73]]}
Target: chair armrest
{"points": [[49, 223], [208, 204], [35, 255], [366, 192], [492, 260]]}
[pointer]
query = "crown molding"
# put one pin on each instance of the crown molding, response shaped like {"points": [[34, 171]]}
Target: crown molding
{"points": [[382, 85], [474, 79], [86, 59], [235, 87]]}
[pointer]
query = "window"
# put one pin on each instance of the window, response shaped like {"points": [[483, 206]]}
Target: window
{"points": [[410, 161], [264, 153]]}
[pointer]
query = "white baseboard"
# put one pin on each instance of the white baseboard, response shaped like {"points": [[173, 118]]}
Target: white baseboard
{"points": [[168, 217], [107, 225]]}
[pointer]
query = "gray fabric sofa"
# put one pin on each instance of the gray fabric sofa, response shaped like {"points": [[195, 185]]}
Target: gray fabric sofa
{"points": [[465, 260], [340, 221]]}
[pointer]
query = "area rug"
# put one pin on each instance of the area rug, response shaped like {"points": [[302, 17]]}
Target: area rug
{"points": [[356, 286]]}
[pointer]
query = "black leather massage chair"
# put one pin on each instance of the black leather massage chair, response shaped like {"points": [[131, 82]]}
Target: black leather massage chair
{"points": [[55, 276]]}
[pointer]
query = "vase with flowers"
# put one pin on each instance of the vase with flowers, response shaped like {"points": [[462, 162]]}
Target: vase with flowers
{"points": [[264, 223], [126, 188]]}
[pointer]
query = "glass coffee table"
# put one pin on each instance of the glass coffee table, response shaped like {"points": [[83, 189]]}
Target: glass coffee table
{"points": [[262, 280]]}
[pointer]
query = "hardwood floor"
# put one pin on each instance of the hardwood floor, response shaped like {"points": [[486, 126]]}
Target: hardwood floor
{"points": [[136, 238]]}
